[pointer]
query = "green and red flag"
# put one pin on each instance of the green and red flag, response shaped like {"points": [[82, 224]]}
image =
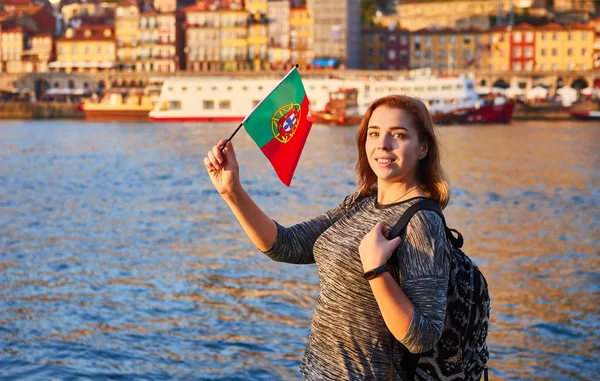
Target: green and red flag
{"points": [[279, 125]]}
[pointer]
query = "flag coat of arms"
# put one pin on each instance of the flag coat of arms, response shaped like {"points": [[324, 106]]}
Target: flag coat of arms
{"points": [[279, 125]]}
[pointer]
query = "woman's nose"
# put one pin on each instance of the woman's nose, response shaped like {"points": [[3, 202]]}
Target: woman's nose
{"points": [[383, 142]]}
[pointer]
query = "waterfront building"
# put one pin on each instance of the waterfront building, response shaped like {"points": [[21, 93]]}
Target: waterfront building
{"points": [[595, 24], [466, 14], [278, 13], [234, 39], [499, 49], [12, 48], [203, 39], [258, 41], [256, 6], [336, 32], [87, 48], [161, 42], [522, 48], [127, 32], [561, 48], [301, 36], [450, 49], [38, 53], [80, 9], [373, 48], [165, 6]]}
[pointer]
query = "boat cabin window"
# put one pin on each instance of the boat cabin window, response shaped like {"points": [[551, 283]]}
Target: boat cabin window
{"points": [[260, 87], [244, 88], [199, 88], [255, 102], [214, 88], [170, 88], [208, 105], [432, 88], [229, 88], [419, 88], [447, 87], [225, 105], [170, 105], [459, 87], [184, 88]]}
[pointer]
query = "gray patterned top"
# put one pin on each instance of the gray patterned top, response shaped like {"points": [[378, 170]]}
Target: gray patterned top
{"points": [[348, 339]]}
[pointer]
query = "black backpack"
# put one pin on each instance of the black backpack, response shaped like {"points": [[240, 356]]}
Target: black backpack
{"points": [[461, 353]]}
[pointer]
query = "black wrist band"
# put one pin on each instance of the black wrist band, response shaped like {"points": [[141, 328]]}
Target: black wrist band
{"points": [[376, 271]]}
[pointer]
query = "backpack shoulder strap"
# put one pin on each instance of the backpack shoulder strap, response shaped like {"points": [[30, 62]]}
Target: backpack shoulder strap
{"points": [[425, 204]]}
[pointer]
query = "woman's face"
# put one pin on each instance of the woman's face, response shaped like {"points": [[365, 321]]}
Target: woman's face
{"points": [[393, 146]]}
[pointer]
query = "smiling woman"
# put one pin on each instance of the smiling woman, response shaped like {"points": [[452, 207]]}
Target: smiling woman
{"points": [[366, 321]]}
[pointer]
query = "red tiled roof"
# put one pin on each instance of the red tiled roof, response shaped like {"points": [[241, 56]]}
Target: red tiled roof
{"points": [[579, 26], [127, 3], [524, 26], [551, 26]]}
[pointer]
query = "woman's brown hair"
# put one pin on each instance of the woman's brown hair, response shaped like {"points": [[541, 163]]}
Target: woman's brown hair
{"points": [[430, 174]]}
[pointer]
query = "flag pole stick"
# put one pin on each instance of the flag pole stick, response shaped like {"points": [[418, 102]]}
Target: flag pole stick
{"points": [[255, 107]]}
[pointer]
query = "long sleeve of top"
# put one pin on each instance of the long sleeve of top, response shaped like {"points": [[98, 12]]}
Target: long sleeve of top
{"points": [[348, 339]]}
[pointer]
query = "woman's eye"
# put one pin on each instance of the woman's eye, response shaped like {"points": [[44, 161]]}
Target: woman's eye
{"points": [[398, 135], [373, 134]]}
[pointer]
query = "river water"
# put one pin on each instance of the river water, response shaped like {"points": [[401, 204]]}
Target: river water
{"points": [[119, 261]]}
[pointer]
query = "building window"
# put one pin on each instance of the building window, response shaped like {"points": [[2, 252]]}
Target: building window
{"points": [[417, 42], [517, 52], [554, 51], [391, 54], [584, 52], [404, 40], [452, 39], [442, 39], [467, 38], [428, 41], [543, 67], [370, 52], [554, 36], [570, 36], [529, 37], [584, 36], [543, 52], [528, 52], [517, 37], [543, 36], [570, 51], [554, 67], [516, 66]]}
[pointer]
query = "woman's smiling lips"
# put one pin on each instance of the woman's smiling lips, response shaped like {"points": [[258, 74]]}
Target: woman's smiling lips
{"points": [[384, 161]]}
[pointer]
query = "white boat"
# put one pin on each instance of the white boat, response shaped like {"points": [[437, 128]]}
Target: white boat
{"points": [[230, 99]]}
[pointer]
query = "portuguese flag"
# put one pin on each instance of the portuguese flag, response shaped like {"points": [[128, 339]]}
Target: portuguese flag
{"points": [[279, 125]]}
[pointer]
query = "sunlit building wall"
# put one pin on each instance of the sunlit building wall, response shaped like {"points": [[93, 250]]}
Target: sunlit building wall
{"points": [[85, 49], [127, 33], [203, 39], [336, 31], [301, 36]]}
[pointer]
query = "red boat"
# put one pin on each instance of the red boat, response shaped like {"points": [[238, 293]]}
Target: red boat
{"points": [[341, 110], [586, 115], [489, 112]]}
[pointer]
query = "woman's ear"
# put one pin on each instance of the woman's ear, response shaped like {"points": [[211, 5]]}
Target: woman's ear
{"points": [[423, 152]]}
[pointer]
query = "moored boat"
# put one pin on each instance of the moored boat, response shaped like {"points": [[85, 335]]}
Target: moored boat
{"points": [[114, 106], [485, 113], [230, 99], [341, 110], [585, 115]]}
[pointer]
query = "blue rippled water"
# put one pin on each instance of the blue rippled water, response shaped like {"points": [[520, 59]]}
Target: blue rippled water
{"points": [[119, 261]]}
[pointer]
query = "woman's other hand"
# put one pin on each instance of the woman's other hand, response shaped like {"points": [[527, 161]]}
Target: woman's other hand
{"points": [[223, 167], [375, 249]]}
